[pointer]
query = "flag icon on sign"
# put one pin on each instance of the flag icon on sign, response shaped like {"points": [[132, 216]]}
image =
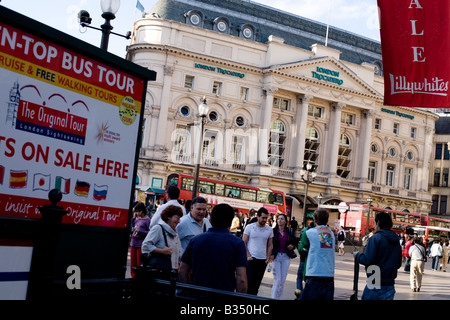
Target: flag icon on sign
{"points": [[41, 182], [82, 188], [18, 178], [62, 184], [100, 192]]}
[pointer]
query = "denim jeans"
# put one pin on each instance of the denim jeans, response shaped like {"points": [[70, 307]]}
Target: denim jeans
{"points": [[435, 263], [384, 293], [300, 276], [318, 289], [280, 271]]}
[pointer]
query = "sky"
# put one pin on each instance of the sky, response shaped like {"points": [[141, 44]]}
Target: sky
{"points": [[357, 16]]}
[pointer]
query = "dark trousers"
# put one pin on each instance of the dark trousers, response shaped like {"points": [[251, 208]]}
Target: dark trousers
{"points": [[317, 288], [255, 274]]}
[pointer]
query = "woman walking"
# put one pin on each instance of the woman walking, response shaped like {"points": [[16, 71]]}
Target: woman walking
{"points": [[163, 238], [283, 250], [140, 226]]}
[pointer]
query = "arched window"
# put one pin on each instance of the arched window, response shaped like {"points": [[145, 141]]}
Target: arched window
{"points": [[311, 146], [343, 161], [277, 143]]}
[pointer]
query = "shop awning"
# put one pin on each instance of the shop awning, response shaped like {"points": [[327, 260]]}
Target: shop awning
{"points": [[155, 191]]}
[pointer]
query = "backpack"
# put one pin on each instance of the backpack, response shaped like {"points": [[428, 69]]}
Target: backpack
{"points": [[341, 236]]}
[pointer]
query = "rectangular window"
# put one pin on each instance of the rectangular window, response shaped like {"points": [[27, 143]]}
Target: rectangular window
{"points": [[189, 82], [434, 204], [314, 111], [187, 184], [445, 177], [413, 132], [446, 153], [438, 153], [443, 205], [282, 104], [248, 194], [390, 173], [244, 94], [372, 171], [182, 137], [238, 149], [437, 177], [378, 124], [347, 118], [396, 129], [209, 145], [217, 88], [407, 181], [220, 189]]}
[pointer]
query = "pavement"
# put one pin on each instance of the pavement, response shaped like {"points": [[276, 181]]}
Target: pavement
{"points": [[435, 284]]}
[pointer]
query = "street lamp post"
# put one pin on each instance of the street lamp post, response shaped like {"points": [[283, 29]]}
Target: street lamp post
{"points": [[369, 201], [308, 176], [202, 112], [109, 9]]}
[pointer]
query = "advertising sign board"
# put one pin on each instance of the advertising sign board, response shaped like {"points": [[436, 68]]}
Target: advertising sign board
{"points": [[71, 121]]}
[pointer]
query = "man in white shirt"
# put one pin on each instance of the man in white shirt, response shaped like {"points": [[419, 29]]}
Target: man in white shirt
{"points": [[258, 238], [172, 194], [193, 223]]}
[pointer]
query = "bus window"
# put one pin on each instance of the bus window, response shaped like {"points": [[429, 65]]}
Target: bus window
{"points": [[220, 189], [187, 184], [172, 179], [263, 196], [276, 198], [248, 194], [400, 217], [232, 192], [206, 187]]}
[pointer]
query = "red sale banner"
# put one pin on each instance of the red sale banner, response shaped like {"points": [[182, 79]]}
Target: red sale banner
{"points": [[414, 46]]}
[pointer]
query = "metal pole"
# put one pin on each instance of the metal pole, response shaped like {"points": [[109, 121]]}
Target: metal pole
{"points": [[304, 200], [369, 200], [199, 160], [106, 30]]}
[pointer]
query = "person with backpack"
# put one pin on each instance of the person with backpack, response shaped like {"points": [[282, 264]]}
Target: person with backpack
{"points": [[341, 240]]}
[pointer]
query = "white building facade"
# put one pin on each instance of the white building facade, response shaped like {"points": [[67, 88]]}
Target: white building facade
{"points": [[273, 107]]}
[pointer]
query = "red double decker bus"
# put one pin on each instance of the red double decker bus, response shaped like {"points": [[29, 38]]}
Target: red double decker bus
{"points": [[241, 197], [355, 219]]}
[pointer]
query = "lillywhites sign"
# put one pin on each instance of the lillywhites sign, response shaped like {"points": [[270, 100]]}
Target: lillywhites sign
{"points": [[415, 56], [327, 75], [219, 70]]}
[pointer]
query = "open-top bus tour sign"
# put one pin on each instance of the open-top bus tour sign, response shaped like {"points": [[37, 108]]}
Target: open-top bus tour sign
{"points": [[71, 121]]}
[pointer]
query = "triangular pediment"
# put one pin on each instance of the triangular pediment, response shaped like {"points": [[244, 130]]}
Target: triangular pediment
{"points": [[329, 72]]}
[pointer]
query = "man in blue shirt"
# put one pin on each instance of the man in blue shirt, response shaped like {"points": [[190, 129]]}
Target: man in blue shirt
{"points": [[217, 258], [193, 223]]}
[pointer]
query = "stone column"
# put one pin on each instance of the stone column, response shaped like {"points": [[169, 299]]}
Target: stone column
{"points": [[362, 168], [164, 111], [301, 124], [333, 139], [265, 129]]}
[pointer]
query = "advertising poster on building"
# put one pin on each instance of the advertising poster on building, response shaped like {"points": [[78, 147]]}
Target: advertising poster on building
{"points": [[68, 122], [414, 49]]}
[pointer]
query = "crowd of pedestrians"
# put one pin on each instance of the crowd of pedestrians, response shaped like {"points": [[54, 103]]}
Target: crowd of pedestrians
{"points": [[226, 250]]}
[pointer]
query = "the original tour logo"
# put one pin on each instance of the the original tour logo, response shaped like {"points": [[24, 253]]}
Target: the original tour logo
{"points": [[39, 119]]}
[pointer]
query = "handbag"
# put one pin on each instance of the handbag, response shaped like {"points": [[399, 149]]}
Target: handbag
{"points": [[158, 261]]}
